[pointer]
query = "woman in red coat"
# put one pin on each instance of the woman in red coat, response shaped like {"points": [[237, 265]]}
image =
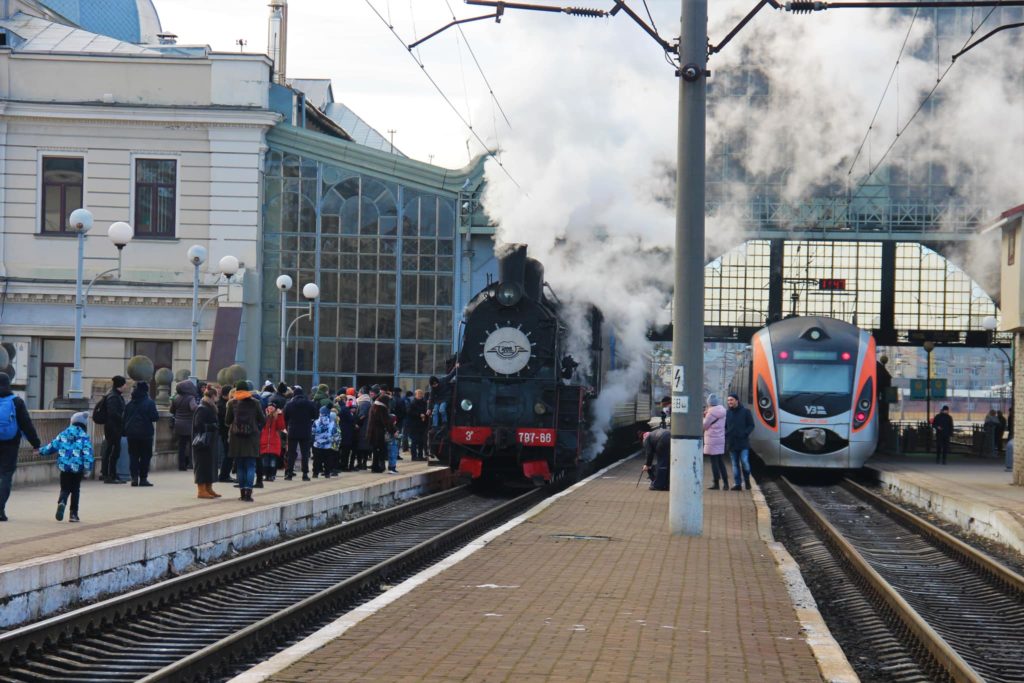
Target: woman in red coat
{"points": [[270, 441]]}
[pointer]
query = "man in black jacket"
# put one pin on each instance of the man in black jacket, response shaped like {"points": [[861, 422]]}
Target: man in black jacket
{"points": [[739, 424], [113, 430], [9, 447], [657, 448], [943, 424], [299, 415]]}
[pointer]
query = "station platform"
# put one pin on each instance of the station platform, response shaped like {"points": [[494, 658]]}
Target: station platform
{"points": [[590, 586], [129, 536], [974, 493]]}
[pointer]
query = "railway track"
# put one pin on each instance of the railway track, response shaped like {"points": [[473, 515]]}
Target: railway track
{"points": [[203, 625], [959, 614]]}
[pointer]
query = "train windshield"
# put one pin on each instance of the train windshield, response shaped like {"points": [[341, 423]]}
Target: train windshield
{"points": [[818, 378]]}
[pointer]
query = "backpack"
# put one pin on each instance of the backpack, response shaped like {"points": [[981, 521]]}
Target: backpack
{"points": [[99, 411], [8, 419]]}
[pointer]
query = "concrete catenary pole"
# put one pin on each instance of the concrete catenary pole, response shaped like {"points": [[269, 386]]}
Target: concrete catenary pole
{"points": [[686, 511]]}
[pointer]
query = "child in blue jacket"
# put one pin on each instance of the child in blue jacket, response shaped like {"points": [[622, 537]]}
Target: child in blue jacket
{"points": [[74, 459]]}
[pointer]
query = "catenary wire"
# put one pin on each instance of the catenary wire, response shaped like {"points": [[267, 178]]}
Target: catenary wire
{"points": [[885, 91], [920, 107], [443, 95], [480, 68]]}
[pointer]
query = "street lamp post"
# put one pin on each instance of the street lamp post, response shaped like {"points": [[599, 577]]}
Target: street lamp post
{"points": [[929, 346], [311, 292], [228, 265], [990, 324], [120, 234]]}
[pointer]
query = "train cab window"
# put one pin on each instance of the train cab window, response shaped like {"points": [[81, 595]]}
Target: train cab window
{"points": [[828, 378]]}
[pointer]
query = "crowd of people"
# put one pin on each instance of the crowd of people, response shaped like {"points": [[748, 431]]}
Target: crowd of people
{"points": [[222, 431]]}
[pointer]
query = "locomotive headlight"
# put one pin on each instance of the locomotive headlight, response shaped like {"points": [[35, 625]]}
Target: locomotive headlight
{"points": [[509, 294], [540, 408], [466, 405]]}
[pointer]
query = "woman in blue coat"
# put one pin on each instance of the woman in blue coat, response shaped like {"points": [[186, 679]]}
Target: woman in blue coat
{"points": [[140, 417]]}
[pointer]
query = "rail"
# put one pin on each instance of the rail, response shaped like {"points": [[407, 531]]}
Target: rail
{"points": [[49, 645], [936, 646]]}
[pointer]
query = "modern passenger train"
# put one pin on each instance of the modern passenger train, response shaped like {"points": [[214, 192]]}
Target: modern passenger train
{"points": [[812, 387]]}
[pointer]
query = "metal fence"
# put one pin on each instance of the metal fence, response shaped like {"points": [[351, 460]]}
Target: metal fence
{"points": [[918, 437]]}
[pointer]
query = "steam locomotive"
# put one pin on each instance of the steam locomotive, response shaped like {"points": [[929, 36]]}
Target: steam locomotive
{"points": [[811, 384], [520, 411]]}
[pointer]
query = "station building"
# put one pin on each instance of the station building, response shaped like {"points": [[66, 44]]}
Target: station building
{"points": [[101, 109]]}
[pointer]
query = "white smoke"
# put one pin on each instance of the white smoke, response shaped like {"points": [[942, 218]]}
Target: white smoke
{"points": [[594, 138]]}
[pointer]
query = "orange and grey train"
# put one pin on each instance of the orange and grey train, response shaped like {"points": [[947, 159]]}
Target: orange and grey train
{"points": [[812, 387]]}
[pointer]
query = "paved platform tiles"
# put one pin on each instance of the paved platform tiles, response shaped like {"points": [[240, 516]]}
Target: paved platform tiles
{"points": [[975, 493], [115, 511], [543, 602]]}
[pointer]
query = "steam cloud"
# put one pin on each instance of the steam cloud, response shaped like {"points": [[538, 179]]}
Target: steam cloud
{"points": [[595, 136]]}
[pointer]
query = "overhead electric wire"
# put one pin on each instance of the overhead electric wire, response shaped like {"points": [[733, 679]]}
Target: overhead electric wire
{"points": [[881, 100], [920, 106], [441, 92], [480, 68]]}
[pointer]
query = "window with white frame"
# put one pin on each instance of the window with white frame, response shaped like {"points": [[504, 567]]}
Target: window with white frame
{"points": [[63, 178], [156, 190]]}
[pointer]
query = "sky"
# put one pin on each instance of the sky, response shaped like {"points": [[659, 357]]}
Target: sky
{"points": [[372, 73]]}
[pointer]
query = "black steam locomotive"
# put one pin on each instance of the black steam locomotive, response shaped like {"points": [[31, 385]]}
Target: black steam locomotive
{"points": [[520, 408]]}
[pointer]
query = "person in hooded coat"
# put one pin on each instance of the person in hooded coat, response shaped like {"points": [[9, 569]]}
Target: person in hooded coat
{"points": [[183, 407], [205, 421], [270, 441], [245, 423], [346, 429], [363, 405], [113, 430], [324, 432], [714, 440], [299, 415], [379, 427], [74, 459], [140, 418], [9, 447]]}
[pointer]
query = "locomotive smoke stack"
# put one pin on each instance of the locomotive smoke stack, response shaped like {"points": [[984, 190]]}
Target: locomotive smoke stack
{"points": [[512, 265], [534, 279]]}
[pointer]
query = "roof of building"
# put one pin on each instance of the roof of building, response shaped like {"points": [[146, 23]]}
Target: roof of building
{"points": [[362, 132], [40, 35], [320, 94], [133, 21]]}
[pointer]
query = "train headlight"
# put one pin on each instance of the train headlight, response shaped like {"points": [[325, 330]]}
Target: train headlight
{"points": [[466, 405], [864, 402], [765, 403], [540, 408], [509, 294]]}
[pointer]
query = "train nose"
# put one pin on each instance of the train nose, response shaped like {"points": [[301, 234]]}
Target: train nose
{"points": [[814, 439]]}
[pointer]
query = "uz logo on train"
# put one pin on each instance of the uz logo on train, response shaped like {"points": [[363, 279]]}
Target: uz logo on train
{"points": [[815, 410]]}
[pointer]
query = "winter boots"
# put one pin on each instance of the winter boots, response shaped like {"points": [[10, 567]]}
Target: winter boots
{"points": [[246, 495], [206, 491]]}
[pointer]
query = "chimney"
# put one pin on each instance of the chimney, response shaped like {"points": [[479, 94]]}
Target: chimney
{"points": [[277, 38]]}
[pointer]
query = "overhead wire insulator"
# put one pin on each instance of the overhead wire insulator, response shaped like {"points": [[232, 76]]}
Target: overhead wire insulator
{"points": [[584, 12], [805, 6]]}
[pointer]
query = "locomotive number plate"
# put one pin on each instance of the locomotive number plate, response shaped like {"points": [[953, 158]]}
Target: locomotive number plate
{"points": [[470, 436], [536, 437]]}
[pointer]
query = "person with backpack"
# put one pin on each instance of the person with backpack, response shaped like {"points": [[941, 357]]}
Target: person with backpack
{"points": [[109, 412], [140, 416], [74, 458], [15, 422], [245, 422], [183, 407]]}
